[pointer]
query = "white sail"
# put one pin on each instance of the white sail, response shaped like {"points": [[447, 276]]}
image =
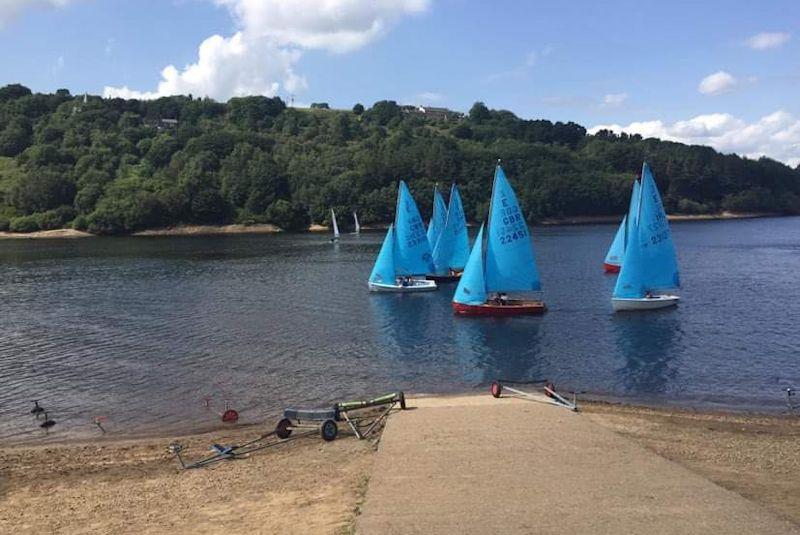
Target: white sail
{"points": [[335, 225], [358, 227]]}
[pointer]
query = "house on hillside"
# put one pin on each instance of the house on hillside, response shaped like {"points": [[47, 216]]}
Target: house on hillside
{"points": [[431, 112]]}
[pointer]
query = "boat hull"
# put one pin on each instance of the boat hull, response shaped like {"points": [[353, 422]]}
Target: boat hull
{"points": [[417, 286], [645, 303], [444, 278], [610, 268], [512, 308]]}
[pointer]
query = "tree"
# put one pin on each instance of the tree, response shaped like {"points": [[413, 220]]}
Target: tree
{"points": [[320, 106], [13, 91], [358, 109], [479, 112]]}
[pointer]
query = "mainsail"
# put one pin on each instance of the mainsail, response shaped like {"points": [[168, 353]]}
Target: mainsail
{"points": [[650, 262], [335, 225], [451, 250], [355, 221], [412, 253], [510, 261], [438, 218]]}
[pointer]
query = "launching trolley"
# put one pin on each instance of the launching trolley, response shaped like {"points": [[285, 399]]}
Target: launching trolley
{"points": [[548, 394]]}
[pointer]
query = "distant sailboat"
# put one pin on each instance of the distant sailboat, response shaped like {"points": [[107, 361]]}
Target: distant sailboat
{"points": [[355, 223], [451, 250], [405, 252], [438, 218], [650, 264], [616, 252], [335, 227], [502, 262]]}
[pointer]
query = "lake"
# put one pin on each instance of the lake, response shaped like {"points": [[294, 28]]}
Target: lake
{"points": [[157, 333]]}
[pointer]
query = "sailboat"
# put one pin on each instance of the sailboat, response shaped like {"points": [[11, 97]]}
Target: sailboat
{"points": [[356, 225], [451, 250], [335, 227], [438, 218], [616, 252], [502, 261], [650, 265], [405, 251]]}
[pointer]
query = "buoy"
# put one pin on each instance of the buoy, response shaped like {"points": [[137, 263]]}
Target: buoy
{"points": [[36, 410], [230, 416], [48, 423]]}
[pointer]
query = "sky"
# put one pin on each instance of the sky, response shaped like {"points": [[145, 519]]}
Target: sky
{"points": [[718, 73]]}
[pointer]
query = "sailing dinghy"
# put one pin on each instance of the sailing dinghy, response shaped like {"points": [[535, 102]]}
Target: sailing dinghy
{"points": [[438, 218], [616, 252], [335, 227], [356, 225], [650, 265], [501, 262], [405, 253], [451, 250]]}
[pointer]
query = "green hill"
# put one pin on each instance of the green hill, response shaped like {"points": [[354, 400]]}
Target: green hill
{"points": [[114, 166]]}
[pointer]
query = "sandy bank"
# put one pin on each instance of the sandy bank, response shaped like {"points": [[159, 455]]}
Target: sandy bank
{"points": [[591, 220], [315, 487], [45, 234], [209, 230]]}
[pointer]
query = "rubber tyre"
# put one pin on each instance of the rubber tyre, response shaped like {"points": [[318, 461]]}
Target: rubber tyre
{"points": [[497, 389], [284, 428], [328, 430]]}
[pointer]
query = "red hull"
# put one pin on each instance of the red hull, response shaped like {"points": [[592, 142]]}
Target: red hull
{"points": [[513, 308], [610, 268]]}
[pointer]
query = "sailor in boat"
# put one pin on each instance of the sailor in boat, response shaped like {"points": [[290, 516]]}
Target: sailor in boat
{"points": [[649, 295], [501, 298]]}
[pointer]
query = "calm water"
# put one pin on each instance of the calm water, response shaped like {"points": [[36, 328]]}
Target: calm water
{"points": [[145, 330]]}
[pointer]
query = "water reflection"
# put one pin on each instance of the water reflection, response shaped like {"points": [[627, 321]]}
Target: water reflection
{"points": [[508, 348], [648, 343]]}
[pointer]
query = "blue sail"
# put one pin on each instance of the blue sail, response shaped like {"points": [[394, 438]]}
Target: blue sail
{"points": [[616, 252], [412, 252], [471, 288], [452, 247], [438, 218], [510, 262], [650, 262], [383, 270]]}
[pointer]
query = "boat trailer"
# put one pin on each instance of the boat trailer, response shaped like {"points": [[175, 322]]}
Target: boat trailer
{"points": [[355, 413], [548, 394], [362, 421]]}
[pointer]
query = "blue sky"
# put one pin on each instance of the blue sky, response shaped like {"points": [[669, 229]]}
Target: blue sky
{"points": [[634, 66]]}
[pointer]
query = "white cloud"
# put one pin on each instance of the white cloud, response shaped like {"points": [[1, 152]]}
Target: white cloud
{"points": [[531, 59], [11, 8], [260, 58], [717, 83], [614, 100], [767, 40], [776, 135]]}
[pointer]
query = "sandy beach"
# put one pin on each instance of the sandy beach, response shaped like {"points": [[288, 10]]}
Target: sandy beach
{"points": [[310, 486]]}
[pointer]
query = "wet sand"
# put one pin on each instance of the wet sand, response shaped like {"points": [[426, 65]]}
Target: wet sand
{"points": [[310, 486]]}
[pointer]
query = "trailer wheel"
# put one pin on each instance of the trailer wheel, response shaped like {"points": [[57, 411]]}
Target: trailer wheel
{"points": [[497, 389], [284, 428], [402, 401], [328, 430]]}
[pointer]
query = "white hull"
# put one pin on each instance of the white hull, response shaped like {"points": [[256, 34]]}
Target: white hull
{"points": [[416, 286], [645, 303]]}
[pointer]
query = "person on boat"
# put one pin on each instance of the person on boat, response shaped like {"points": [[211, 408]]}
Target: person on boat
{"points": [[649, 295], [503, 298]]}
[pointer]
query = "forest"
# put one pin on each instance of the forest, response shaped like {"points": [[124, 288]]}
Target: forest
{"points": [[113, 166]]}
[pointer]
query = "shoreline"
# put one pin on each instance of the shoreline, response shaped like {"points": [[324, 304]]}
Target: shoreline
{"points": [[307, 485], [593, 402], [265, 228]]}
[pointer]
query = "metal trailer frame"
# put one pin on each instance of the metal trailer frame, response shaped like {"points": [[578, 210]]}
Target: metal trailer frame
{"points": [[322, 421], [325, 420], [548, 396]]}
